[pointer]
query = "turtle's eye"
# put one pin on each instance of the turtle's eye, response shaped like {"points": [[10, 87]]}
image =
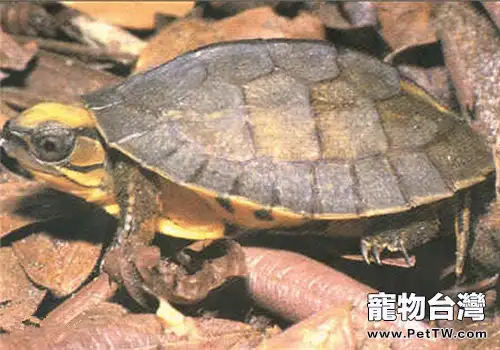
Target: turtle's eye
{"points": [[52, 142]]}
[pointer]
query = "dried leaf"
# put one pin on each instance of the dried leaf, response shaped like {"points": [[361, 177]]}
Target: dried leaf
{"points": [[107, 327], [98, 331], [12, 188], [330, 329], [331, 16], [6, 112], [361, 14], [19, 298], [406, 24], [231, 8], [189, 34], [215, 333], [170, 280], [97, 33], [132, 14], [354, 15], [57, 264], [90, 298], [494, 11], [27, 18], [14, 56], [491, 326], [471, 46], [83, 52], [51, 73]]}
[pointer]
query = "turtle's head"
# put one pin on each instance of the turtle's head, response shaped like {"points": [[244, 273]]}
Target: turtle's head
{"points": [[60, 145]]}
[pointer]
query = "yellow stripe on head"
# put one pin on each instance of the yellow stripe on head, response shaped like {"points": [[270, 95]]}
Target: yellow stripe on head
{"points": [[73, 117], [93, 178], [60, 145], [98, 195]]}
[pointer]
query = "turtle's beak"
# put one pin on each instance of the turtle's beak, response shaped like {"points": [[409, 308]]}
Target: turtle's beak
{"points": [[2, 134], [7, 136], [3, 139]]}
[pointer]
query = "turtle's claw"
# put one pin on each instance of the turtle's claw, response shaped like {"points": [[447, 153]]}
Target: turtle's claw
{"points": [[406, 256], [373, 246], [365, 251], [376, 254]]}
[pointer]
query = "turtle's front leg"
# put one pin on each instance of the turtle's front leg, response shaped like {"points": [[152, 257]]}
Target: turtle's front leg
{"points": [[140, 268], [138, 198]]}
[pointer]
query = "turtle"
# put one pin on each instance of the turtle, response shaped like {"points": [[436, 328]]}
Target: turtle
{"points": [[259, 134]]}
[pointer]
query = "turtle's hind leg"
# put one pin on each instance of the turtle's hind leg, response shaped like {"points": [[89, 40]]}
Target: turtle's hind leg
{"points": [[400, 233]]}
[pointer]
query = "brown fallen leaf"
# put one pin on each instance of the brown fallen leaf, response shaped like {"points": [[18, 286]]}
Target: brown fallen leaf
{"points": [[59, 265], [76, 319], [330, 329], [331, 16], [493, 8], [188, 34], [62, 260], [406, 24], [132, 14], [349, 15], [14, 56], [13, 187], [230, 8], [492, 341], [82, 52], [471, 46], [27, 18], [51, 73], [19, 298], [179, 37], [97, 33], [90, 297], [6, 112], [203, 267], [361, 13], [98, 331], [217, 333], [107, 327]]}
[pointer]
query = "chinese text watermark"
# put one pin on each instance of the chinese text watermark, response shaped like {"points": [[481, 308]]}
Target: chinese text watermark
{"points": [[410, 307]]}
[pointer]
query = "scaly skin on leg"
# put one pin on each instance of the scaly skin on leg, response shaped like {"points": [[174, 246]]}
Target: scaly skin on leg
{"points": [[400, 233], [138, 197], [139, 206], [421, 227]]}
